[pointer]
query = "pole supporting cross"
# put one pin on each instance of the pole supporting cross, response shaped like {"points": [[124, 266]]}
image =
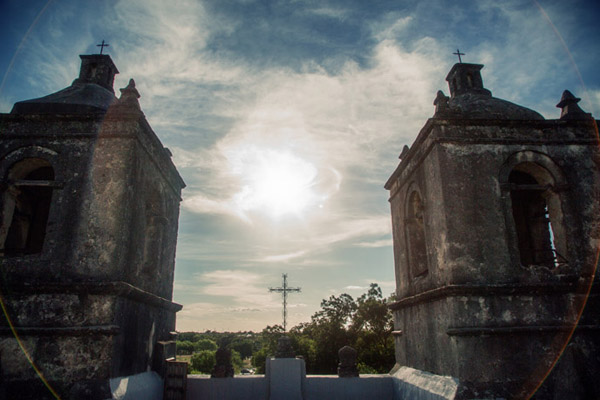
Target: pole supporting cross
{"points": [[284, 291]]}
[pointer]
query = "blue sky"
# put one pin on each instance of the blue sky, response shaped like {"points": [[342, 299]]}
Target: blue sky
{"points": [[285, 118]]}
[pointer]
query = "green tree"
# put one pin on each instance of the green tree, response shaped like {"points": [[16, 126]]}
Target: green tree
{"points": [[184, 347], [268, 340], [205, 344], [269, 337], [243, 346], [203, 361], [336, 310], [364, 323], [328, 330], [328, 337], [236, 361], [259, 360], [304, 346], [187, 336], [372, 325]]}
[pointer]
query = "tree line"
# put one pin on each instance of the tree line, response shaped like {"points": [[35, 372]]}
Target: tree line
{"points": [[364, 323]]}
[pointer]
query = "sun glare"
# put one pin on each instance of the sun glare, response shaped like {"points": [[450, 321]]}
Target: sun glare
{"points": [[275, 182]]}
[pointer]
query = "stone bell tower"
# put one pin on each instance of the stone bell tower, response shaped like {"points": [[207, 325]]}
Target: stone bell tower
{"points": [[496, 227], [89, 206]]}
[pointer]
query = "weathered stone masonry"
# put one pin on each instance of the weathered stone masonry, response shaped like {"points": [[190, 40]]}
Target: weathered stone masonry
{"points": [[88, 284], [496, 226]]}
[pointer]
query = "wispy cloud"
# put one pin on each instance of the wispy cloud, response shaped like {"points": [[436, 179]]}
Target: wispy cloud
{"points": [[349, 126], [335, 122], [376, 243], [242, 286], [354, 287], [282, 257], [386, 286], [391, 26], [202, 316], [249, 304], [338, 13], [594, 100]]}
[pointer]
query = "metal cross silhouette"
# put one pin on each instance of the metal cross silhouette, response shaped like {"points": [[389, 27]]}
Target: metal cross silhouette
{"points": [[285, 289], [102, 45], [458, 53]]}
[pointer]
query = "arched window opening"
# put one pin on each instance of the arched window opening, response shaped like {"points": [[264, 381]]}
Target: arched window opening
{"points": [[415, 234], [93, 70], [537, 216], [25, 207], [470, 80]]}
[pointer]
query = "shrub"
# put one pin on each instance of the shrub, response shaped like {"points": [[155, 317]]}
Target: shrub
{"points": [[203, 361]]}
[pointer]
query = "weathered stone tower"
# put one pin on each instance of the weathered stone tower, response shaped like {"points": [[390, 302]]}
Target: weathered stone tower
{"points": [[89, 205], [496, 226]]}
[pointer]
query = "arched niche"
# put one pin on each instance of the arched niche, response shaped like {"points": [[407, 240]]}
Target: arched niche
{"points": [[414, 222], [155, 230]]}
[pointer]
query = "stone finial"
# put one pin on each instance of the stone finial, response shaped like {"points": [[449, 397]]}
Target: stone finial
{"points": [[404, 152], [223, 368], [570, 108], [440, 103], [284, 347], [130, 95], [347, 366]]}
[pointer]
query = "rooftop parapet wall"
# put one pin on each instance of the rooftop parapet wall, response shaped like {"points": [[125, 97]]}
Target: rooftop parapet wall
{"points": [[406, 383]]}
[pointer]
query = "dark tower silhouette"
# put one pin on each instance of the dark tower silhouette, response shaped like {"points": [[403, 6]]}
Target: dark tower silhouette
{"points": [[89, 204]]}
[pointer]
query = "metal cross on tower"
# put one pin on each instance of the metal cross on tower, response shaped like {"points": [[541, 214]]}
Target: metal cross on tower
{"points": [[284, 289], [458, 53], [102, 45]]}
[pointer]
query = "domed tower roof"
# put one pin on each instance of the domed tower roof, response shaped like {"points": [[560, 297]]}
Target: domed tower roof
{"points": [[470, 100], [91, 92]]}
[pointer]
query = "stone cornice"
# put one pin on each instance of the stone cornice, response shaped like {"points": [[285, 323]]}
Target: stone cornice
{"points": [[108, 330], [491, 290], [116, 288]]}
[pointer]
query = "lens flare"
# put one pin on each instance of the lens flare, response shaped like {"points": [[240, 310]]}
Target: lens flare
{"points": [[24, 350]]}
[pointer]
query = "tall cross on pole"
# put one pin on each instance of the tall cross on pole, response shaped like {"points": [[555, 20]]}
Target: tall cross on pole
{"points": [[102, 45], [458, 53], [284, 290]]}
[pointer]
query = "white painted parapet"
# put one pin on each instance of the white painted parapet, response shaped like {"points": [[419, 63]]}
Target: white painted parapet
{"points": [[330, 387], [410, 383], [147, 385], [249, 387], [286, 378]]}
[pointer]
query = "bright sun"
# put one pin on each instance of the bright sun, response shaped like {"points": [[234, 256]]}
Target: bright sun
{"points": [[275, 182]]}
